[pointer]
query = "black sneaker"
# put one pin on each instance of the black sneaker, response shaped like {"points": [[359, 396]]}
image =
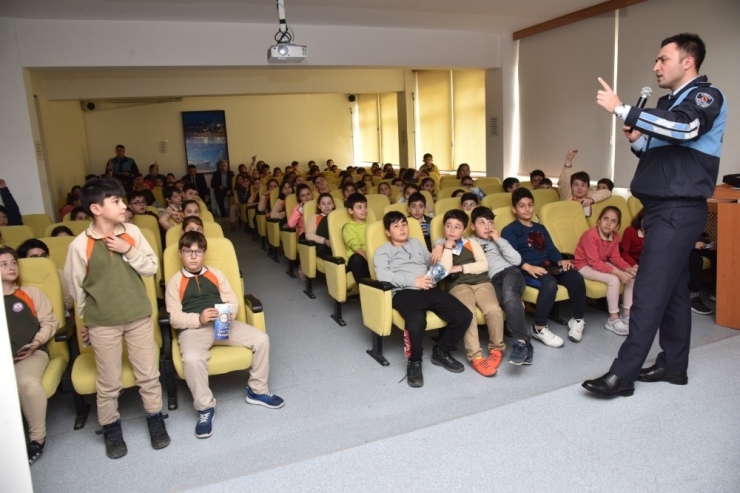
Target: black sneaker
{"points": [[157, 431], [518, 353], [115, 447], [530, 353], [414, 377], [445, 359], [698, 306], [34, 451]]}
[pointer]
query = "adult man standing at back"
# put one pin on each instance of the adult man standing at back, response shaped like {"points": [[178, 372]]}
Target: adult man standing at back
{"points": [[124, 167], [199, 181], [221, 184], [679, 145]]}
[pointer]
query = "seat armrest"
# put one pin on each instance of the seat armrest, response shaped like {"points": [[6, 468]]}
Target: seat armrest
{"points": [[65, 332], [567, 256], [307, 242], [331, 259], [163, 318], [287, 229], [382, 285], [254, 304], [273, 220], [260, 213], [253, 206]]}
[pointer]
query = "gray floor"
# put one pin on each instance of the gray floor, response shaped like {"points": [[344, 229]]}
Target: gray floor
{"points": [[349, 423]]}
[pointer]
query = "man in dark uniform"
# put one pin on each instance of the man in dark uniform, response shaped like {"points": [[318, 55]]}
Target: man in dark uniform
{"points": [[679, 145], [124, 167]]}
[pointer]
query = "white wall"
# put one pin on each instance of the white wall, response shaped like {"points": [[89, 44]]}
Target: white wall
{"points": [[278, 129], [718, 24]]}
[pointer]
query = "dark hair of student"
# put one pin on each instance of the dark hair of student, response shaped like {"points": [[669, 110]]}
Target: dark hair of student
{"points": [[609, 184], [355, 198], [637, 220], [61, 229], [30, 244], [581, 176], [301, 186], [192, 219], [537, 172], [189, 186], [469, 196], [72, 198], [169, 191], [186, 203], [192, 238], [411, 185], [482, 211], [459, 190], [458, 215], [615, 210], [509, 182], [97, 190], [281, 193], [318, 201], [416, 197], [393, 217], [519, 194]]}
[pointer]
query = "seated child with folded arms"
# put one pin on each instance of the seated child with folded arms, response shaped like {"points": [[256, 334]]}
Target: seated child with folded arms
{"points": [[404, 262], [472, 286], [191, 296]]}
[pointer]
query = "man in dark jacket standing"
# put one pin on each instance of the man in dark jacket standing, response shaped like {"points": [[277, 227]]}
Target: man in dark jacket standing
{"points": [[679, 145], [221, 185]]}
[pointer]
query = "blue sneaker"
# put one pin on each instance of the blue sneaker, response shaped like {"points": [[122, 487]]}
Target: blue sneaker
{"points": [[530, 353], [268, 400], [204, 428], [518, 353]]}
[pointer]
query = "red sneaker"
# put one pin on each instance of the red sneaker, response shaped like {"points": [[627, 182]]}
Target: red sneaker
{"points": [[483, 366], [494, 359]]}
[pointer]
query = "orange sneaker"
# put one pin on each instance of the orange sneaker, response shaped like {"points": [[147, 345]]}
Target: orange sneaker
{"points": [[494, 359], [483, 366]]}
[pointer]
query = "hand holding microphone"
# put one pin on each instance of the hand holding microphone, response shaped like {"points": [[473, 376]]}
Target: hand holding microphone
{"points": [[644, 96]]}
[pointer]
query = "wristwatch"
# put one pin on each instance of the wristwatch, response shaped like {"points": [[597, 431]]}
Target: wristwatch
{"points": [[619, 109]]}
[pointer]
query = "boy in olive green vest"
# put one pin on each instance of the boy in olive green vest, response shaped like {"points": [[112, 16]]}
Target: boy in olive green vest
{"points": [[104, 268], [472, 287]]}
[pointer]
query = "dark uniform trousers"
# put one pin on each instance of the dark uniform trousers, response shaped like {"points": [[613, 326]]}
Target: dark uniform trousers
{"points": [[661, 296]]}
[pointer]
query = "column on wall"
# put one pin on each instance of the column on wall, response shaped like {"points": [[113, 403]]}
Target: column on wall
{"points": [[469, 119], [367, 106], [406, 126]]}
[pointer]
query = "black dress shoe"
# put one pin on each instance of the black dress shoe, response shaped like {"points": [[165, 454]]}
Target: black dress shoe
{"points": [[413, 373], [657, 374], [610, 385], [445, 359]]}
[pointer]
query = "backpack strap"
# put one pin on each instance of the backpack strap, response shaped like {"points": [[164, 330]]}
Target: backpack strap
{"points": [[22, 295]]}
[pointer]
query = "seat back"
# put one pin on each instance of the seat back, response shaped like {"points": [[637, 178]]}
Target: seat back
{"points": [[444, 205], [37, 222], [619, 203], [565, 222], [496, 200], [377, 202], [205, 214], [526, 184], [502, 217], [13, 236], [42, 273], [542, 197], [219, 254], [487, 180], [437, 228], [403, 208], [58, 247], [634, 205], [337, 219], [67, 217], [210, 230], [449, 182], [159, 196], [492, 188], [76, 227], [145, 221], [446, 193], [155, 241], [338, 198], [375, 237]]}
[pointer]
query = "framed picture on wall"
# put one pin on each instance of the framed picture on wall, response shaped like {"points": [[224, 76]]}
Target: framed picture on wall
{"points": [[205, 139]]}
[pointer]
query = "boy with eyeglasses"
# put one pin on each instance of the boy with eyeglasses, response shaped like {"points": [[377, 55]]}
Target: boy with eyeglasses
{"points": [[191, 296]]}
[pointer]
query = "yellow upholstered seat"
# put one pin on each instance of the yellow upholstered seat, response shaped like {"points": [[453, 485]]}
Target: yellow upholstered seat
{"points": [[272, 227], [496, 200], [84, 371], [37, 222], [310, 262], [634, 205], [449, 181], [377, 203], [221, 255], [76, 227], [210, 230], [402, 207], [616, 201], [488, 180], [444, 205], [12, 236], [492, 188], [43, 274], [58, 246], [526, 184], [542, 197]]}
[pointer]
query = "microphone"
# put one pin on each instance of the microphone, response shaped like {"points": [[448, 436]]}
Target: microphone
{"points": [[644, 96]]}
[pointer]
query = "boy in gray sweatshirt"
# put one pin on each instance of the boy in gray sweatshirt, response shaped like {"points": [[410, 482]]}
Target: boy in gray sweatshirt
{"points": [[507, 279], [403, 262]]}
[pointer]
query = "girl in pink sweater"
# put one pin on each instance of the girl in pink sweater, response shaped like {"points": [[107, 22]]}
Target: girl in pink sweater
{"points": [[304, 195], [597, 258]]}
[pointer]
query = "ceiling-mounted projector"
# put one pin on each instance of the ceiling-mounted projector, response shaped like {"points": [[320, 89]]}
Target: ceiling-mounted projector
{"points": [[286, 53]]}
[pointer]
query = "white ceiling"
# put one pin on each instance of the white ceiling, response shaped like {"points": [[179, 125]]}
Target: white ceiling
{"points": [[476, 15]]}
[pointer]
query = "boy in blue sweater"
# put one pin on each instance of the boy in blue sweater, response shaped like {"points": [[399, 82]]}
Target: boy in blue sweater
{"points": [[544, 268]]}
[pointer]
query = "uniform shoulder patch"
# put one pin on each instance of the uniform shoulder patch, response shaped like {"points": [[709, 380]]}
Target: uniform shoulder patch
{"points": [[704, 100]]}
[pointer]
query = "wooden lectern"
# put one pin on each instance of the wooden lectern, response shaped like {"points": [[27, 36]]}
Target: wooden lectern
{"points": [[728, 256]]}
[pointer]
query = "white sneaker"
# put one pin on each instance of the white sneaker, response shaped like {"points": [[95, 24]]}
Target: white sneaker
{"points": [[617, 326], [547, 337], [575, 332], [625, 320]]}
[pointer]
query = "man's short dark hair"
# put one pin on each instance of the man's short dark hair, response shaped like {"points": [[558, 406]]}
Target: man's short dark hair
{"points": [[120, 146], [456, 214], [581, 176], [537, 172], [609, 184], [417, 197], [469, 196], [519, 194], [509, 182], [690, 44], [482, 211], [30, 244], [191, 166], [393, 217], [151, 167], [546, 181], [355, 198], [97, 190], [192, 238]]}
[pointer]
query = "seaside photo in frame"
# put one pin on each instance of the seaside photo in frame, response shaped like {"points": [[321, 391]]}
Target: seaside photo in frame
{"points": [[205, 139]]}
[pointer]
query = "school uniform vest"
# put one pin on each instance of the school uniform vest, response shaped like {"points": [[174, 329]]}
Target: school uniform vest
{"points": [[199, 292], [23, 324], [115, 292], [466, 256]]}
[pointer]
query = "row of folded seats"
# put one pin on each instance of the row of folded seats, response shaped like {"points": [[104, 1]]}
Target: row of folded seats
{"points": [[71, 361], [565, 221]]}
